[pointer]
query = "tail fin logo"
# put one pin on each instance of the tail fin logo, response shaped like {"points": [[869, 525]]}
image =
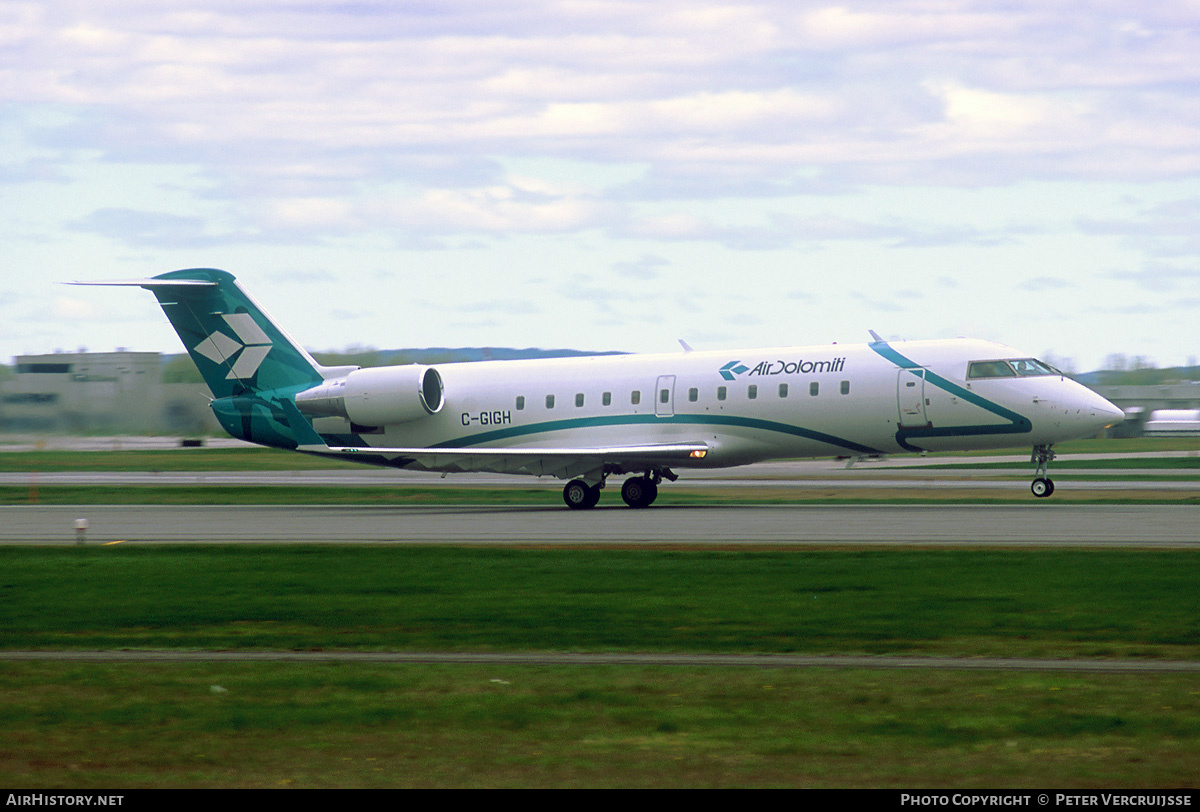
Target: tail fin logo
{"points": [[250, 347]]}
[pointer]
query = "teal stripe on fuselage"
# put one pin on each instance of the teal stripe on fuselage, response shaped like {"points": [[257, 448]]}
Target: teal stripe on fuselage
{"points": [[1018, 424], [643, 419]]}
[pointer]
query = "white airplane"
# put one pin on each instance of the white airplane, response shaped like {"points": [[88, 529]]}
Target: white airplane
{"points": [[585, 419]]}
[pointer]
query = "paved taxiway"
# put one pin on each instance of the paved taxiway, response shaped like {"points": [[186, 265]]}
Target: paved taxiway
{"points": [[619, 658], [1022, 524]]}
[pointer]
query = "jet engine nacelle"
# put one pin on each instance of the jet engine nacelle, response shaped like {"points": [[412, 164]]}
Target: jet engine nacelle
{"points": [[377, 396]]}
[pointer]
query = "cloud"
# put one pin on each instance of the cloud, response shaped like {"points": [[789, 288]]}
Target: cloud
{"points": [[874, 90], [809, 231], [509, 307], [1039, 284], [879, 304], [643, 268], [140, 228], [1167, 229], [1160, 278]]}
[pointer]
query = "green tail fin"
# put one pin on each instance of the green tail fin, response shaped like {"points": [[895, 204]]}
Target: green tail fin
{"points": [[238, 349], [251, 366]]}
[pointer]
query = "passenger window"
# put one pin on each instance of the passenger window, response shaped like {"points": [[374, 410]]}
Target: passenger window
{"points": [[720, 393], [693, 395], [814, 388], [783, 390], [606, 398], [752, 391], [549, 401], [845, 387], [635, 397], [520, 402], [579, 400]]}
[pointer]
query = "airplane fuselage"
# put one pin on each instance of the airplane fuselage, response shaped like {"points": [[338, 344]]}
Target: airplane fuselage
{"points": [[749, 405]]}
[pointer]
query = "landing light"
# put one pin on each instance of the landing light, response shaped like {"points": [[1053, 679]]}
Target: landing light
{"points": [[698, 454]]}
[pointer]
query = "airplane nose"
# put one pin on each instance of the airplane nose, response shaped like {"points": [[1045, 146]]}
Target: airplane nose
{"points": [[1105, 413], [1079, 412]]}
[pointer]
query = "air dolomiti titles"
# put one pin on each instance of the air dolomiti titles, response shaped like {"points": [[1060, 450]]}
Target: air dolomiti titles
{"points": [[793, 367]]}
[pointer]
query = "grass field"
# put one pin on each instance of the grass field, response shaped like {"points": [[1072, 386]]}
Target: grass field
{"points": [[355, 724], [277, 725]]}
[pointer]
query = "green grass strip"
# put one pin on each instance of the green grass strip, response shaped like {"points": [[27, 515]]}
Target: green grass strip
{"points": [[1045, 603]]}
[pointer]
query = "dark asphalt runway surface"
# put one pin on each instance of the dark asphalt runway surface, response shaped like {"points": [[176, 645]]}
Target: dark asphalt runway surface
{"points": [[1023, 524]]}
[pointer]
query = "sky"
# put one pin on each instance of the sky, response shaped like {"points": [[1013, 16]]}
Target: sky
{"points": [[609, 175]]}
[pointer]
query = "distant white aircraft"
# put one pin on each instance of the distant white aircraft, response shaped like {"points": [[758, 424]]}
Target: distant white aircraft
{"points": [[585, 419]]}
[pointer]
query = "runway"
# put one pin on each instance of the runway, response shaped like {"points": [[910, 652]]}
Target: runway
{"points": [[1025, 524]]}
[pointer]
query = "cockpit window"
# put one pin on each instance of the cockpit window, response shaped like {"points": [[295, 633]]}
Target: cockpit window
{"points": [[1031, 366], [1024, 367], [990, 369]]}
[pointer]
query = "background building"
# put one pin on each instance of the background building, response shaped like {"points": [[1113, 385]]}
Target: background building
{"points": [[101, 392]]}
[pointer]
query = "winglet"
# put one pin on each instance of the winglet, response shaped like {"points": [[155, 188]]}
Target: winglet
{"points": [[875, 335]]}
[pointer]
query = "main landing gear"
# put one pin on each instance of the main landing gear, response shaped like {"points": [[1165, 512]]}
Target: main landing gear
{"points": [[581, 496], [1042, 485], [638, 491]]}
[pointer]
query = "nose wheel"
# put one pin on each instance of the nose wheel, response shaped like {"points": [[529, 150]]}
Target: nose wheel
{"points": [[1042, 485]]}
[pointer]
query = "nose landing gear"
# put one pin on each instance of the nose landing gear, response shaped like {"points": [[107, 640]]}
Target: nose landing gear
{"points": [[1042, 486]]}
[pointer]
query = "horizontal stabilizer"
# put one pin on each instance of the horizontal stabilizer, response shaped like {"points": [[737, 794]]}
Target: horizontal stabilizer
{"points": [[150, 284]]}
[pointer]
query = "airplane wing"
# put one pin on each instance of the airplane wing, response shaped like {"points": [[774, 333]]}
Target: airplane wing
{"points": [[563, 463]]}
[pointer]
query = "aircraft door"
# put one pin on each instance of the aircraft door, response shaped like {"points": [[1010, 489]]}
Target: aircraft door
{"points": [[664, 396], [910, 395]]}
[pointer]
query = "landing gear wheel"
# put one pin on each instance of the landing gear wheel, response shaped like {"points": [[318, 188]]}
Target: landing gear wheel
{"points": [[1042, 487], [639, 492], [579, 495]]}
